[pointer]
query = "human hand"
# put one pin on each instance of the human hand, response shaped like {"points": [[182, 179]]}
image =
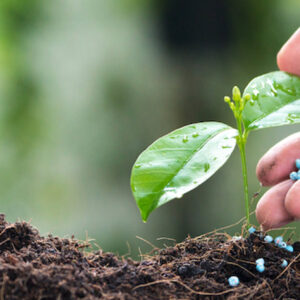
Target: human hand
{"points": [[281, 203]]}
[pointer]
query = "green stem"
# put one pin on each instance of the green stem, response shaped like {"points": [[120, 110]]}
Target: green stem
{"points": [[237, 106], [242, 139]]}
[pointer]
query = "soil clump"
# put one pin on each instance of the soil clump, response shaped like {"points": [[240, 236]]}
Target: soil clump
{"points": [[46, 268]]}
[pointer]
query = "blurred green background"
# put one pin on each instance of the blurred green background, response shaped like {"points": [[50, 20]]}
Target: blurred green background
{"points": [[85, 86]]}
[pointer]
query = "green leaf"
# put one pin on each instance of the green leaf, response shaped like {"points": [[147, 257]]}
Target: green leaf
{"points": [[275, 101], [178, 162]]}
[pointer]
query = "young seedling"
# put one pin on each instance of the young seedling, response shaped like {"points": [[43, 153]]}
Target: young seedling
{"points": [[183, 159]]}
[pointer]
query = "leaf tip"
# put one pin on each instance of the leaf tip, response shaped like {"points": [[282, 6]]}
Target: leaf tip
{"points": [[247, 97], [144, 216]]}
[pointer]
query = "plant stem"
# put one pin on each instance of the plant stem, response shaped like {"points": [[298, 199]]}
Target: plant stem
{"points": [[237, 106], [241, 141]]}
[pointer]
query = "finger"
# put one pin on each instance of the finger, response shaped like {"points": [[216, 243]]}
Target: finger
{"points": [[279, 161], [270, 210], [292, 201], [288, 58]]}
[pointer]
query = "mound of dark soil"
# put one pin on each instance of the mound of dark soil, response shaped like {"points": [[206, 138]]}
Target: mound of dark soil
{"points": [[35, 267]]}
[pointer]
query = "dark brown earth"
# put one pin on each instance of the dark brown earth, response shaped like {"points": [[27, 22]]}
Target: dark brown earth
{"points": [[35, 267]]}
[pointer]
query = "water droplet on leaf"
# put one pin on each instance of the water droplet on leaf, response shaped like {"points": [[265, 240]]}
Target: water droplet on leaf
{"points": [[206, 167], [179, 195], [185, 139], [288, 91], [272, 85], [291, 118], [255, 94]]}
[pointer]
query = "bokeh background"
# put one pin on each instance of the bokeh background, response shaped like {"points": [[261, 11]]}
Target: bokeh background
{"points": [[85, 86]]}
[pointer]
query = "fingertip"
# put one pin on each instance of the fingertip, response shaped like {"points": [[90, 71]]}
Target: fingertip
{"points": [[288, 57], [270, 170], [277, 163], [263, 169], [270, 210], [292, 203]]}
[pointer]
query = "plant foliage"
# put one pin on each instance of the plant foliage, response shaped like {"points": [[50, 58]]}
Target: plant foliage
{"points": [[183, 159]]}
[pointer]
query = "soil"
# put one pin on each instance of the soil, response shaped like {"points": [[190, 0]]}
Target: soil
{"points": [[35, 267]]}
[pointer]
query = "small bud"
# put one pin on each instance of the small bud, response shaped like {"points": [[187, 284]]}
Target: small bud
{"points": [[247, 97], [236, 94], [226, 99], [233, 281], [242, 106]]}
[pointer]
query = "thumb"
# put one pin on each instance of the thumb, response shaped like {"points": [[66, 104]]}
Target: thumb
{"points": [[288, 58]]}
